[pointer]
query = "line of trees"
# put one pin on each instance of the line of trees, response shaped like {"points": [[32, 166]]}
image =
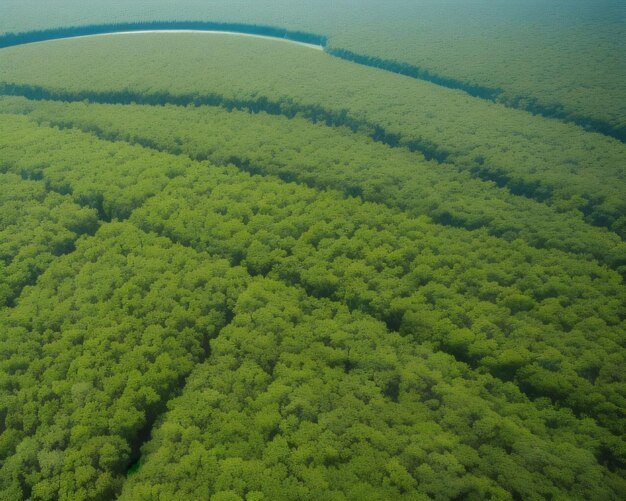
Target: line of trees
{"points": [[92, 353], [545, 57], [554, 163], [331, 158]]}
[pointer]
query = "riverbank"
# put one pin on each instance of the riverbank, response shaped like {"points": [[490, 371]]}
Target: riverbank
{"points": [[210, 32], [311, 40]]}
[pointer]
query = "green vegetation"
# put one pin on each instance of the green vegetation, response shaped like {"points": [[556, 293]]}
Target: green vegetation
{"points": [[542, 159], [237, 269], [93, 352], [558, 59], [295, 149], [562, 59], [302, 400], [35, 227]]}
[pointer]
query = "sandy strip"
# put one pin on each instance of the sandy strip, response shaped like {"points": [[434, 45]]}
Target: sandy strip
{"points": [[209, 32]]}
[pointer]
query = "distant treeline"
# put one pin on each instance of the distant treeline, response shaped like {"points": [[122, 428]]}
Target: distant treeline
{"points": [[542, 57], [497, 95], [413, 71], [12, 39], [532, 105]]}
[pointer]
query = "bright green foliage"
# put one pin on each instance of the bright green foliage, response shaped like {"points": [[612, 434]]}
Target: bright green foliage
{"points": [[557, 163], [201, 303], [35, 227], [405, 271], [112, 178], [301, 399], [323, 157], [92, 353], [470, 294]]}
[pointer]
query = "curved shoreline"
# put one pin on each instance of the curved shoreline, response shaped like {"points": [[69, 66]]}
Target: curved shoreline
{"points": [[311, 40], [210, 32], [319, 42]]}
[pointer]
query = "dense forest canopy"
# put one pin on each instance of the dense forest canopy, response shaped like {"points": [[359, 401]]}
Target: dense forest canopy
{"points": [[295, 149], [555, 57], [239, 269]]}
